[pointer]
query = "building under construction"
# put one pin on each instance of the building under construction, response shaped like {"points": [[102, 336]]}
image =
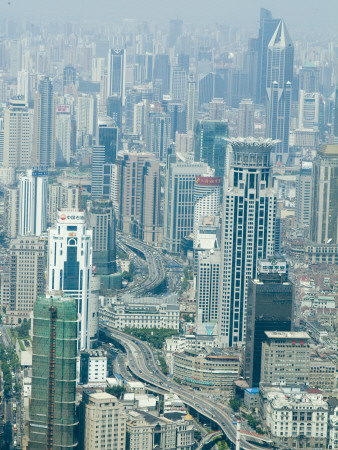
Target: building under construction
{"points": [[52, 410]]}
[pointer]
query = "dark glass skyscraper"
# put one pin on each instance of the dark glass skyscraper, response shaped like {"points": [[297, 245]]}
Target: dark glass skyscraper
{"points": [[270, 308]]}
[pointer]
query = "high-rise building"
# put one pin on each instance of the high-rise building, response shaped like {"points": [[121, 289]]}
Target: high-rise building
{"points": [[217, 109], [308, 111], [161, 73], [62, 196], [246, 122], [279, 348], [63, 134], [70, 269], [324, 210], [279, 76], [178, 81], [33, 196], [139, 196], [303, 195], [18, 134], [53, 422], [86, 119], [309, 76], [267, 28], [178, 118], [158, 134], [27, 275], [270, 308], [116, 76], [191, 103], [179, 201], [44, 143], [69, 80], [207, 285], [175, 31], [12, 211], [248, 227], [101, 219], [335, 121], [102, 422], [210, 146]]}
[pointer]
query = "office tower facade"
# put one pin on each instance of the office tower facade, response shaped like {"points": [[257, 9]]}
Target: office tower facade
{"points": [[175, 31], [69, 80], [158, 134], [309, 78], [207, 196], [103, 156], [86, 118], [27, 275], [270, 308], [69, 269], [178, 81], [179, 201], [248, 229], [44, 143], [139, 118], [267, 28], [217, 109], [207, 285], [246, 118], [52, 416], [18, 134], [101, 219], [161, 73], [97, 69], [324, 212], [191, 103], [102, 422], [63, 134], [308, 111], [303, 195], [178, 118], [139, 196], [33, 200], [12, 211], [210, 146], [116, 76], [279, 76], [114, 109], [285, 358], [62, 196]]}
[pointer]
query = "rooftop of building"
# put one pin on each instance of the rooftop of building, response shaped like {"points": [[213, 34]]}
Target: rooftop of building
{"points": [[329, 149], [287, 335]]}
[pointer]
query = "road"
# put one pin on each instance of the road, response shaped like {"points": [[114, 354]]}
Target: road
{"points": [[142, 361], [154, 261]]}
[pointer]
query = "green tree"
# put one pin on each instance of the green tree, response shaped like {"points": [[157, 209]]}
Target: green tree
{"points": [[117, 391], [234, 404]]}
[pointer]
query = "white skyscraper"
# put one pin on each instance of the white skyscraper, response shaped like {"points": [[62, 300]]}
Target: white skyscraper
{"points": [[246, 118], [33, 195], [303, 195], [191, 103], [178, 84], [308, 115], [85, 120], [18, 134], [116, 76], [70, 269], [63, 133], [248, 231]]}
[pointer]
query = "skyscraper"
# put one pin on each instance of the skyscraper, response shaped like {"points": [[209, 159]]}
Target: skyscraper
{"points": [[114, 109], [161, 73], [33, 202], [178, 84], [70, 269], [179, 201], [324, 210], [53, 423], [158, 134], [44, 143], [191, 103], [278, 87], [335, 122], [248, 224], [217, 109], [63, 134], [246, 123], [18, 132], [267, 28], [116, 77], [175, 31], [308, 110], [270, 308], [303, 195]]}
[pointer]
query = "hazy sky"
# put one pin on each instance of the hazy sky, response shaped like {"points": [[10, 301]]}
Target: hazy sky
{"points": [[297, 13]]}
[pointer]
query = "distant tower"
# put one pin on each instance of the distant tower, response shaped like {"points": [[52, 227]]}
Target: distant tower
{"points": [[70, 269], [278, 86], [63, 134], [217, 109], [44, 143], [69, 80], [246, 119], [175, 31], [161, 73], [53, 421], [191, 103], [33, 202], [158, 134], [303, 195], [248, 227], [114, 109], [116, 77], [178, 84]]}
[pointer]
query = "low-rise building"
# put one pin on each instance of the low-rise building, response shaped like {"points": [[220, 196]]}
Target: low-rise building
{"points": [[93, 367], [294, 416], [209, 369], [323, 374], [122, 315], [333, 424]]}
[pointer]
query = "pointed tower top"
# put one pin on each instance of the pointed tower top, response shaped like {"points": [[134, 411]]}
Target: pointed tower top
{"points": [[281, 37]]}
